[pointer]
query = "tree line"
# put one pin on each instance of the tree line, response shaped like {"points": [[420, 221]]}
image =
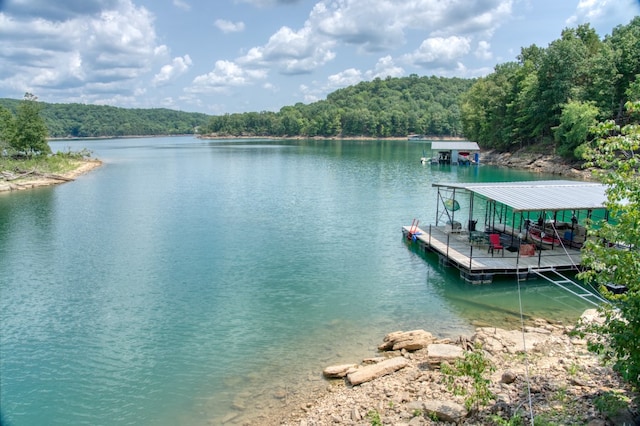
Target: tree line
{"points": [[84, 121], [389, 107]]}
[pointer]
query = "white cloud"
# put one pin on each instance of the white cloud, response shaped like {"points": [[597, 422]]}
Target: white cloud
{"points": [[226, 74], [78, 55], [228, 26], [182, 5], [385, 67], [267, 3], [440, 52], [291, 52], [596, 11], [345, 78], [169, 72], [270, 87], [357, 22], [385, 24], [483, 51]]}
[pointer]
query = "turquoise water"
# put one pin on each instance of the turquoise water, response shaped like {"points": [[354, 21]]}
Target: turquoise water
{"points": [[186, 281]]}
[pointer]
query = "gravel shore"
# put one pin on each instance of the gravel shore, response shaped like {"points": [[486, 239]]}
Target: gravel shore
{"points": [[541, 370]]}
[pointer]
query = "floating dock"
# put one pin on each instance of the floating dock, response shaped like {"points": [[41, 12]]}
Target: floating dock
{"points": [[518, 212], [477, 265]]}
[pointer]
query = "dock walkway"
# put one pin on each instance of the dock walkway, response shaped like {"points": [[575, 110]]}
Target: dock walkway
{"points": [[478, 265]]}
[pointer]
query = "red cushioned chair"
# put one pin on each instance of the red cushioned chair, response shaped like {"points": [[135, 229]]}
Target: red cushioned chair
{"points": [[494, 244]]}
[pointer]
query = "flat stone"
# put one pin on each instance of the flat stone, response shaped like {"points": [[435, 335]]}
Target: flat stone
{"points": [[439, 353], [341, 370], [406, 340], [445, 411], [371, 372]]}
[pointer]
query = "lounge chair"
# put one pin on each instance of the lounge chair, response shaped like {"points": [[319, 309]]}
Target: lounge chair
{"points": [[494, 244]]}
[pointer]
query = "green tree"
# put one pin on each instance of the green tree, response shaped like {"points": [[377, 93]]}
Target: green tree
{"points": [[575, 121], [613, 255], [7, 130], [624, 41], [30, 130]]}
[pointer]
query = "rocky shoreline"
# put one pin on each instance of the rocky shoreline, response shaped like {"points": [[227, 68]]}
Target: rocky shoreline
{"points": [[536, 163], [11, 182], [541, 369]]}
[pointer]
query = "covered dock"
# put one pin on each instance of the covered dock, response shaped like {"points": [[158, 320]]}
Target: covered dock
{"points": [[455, 152], [540, 225]]}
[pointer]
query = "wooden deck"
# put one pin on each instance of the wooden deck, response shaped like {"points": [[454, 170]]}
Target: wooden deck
{"points": [[477, 265]]}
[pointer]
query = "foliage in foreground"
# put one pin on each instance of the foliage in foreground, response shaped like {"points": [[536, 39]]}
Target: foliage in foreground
{"points": [[474, 366], [613, 255]]}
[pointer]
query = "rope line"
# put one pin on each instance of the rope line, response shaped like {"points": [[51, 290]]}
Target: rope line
{"points": [[526, 356]]}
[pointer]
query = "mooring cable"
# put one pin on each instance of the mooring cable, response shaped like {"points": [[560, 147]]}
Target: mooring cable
{"points": [[524, 347]]}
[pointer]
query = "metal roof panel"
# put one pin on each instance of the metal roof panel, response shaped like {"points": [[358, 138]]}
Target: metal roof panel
{"points": [[539, 195], [455, 145]]}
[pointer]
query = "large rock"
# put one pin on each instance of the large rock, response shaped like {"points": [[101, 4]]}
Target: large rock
{"points": [[592, 316], [407, 340], [496, 340], [371, 372], [445, 411], [439, 353], [341, 370]]}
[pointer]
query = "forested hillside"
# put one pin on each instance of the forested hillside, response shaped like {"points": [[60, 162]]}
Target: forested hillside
{"points": [[79, 120], [551, 96], [378, 108]]}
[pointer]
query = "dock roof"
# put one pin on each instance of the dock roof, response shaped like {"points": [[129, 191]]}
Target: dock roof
{"points": [[549, 195], [455, 145]]}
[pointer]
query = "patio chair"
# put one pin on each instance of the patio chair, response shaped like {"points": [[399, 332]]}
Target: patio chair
{"points": [[494, 244]]}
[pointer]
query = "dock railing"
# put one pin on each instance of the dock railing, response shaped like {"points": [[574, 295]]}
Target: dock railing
{"points": [[468, 251]]}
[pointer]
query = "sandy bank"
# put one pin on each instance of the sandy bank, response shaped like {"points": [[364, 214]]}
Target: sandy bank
{"points": [[35, 181]]}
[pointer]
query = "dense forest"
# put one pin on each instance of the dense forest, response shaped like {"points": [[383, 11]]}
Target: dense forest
{"points": [[378, 108], [79, 120], [551, 97]]}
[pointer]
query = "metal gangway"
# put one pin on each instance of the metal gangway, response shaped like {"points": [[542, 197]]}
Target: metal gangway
{"points": [[571, 286]]}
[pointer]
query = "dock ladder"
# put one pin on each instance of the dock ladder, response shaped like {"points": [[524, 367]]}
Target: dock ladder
{"points": [[569, 285]]}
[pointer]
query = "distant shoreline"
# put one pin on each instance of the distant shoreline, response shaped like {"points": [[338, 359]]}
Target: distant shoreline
{"points": [[344, 138], [536, 163]]}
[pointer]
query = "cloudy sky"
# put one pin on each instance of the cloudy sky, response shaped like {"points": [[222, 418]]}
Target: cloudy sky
{"points": [[226, 56]]}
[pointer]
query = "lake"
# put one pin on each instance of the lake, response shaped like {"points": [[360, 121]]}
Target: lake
{"points": [[187, 281]]}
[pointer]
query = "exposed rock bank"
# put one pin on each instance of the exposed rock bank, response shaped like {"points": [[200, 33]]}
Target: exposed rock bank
{"points": [[566, 383], [537, 163], [15, 182]]}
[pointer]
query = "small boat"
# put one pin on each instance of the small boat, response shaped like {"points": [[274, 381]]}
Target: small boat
{"points": [[464, 159], [424, 159]]}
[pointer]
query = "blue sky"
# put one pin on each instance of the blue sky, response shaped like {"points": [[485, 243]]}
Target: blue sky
{"points": [[226, 56]]}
